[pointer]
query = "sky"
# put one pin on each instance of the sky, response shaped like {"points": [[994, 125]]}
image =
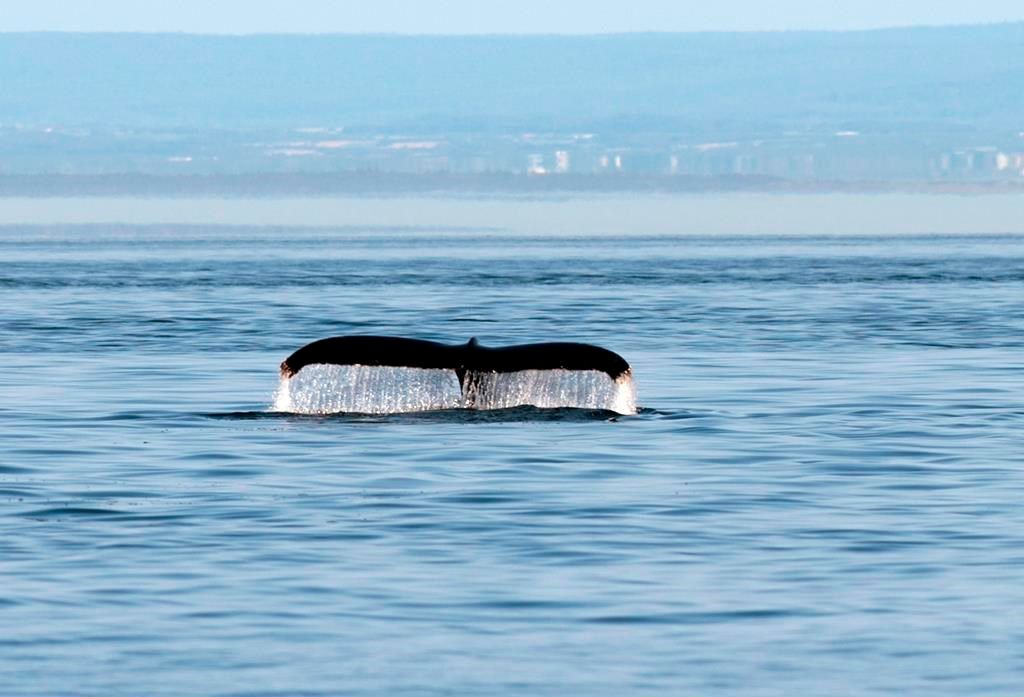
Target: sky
{"points": [[494, 16]]}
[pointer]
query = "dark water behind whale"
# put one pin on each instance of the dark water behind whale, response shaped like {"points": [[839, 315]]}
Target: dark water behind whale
{"points": [[821, 496]]}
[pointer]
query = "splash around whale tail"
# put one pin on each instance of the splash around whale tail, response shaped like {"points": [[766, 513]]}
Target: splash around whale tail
{"points": [[366, 373]]}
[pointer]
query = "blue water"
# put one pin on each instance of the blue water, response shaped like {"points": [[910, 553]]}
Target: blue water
{"points": [[821, 494]]}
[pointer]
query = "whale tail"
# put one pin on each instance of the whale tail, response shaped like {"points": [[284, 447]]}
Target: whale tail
{"points": [[546, 374], [469, 357]]}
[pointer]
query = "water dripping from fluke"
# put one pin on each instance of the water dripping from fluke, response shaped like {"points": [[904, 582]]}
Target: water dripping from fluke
{"points": [[389, 375]]}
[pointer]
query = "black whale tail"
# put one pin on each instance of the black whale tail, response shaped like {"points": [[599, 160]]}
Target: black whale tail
{"points": [[560, 374], [470, 357]]}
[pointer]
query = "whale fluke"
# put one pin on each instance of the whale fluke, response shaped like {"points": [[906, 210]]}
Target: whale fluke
{"points": [[468, 358]]}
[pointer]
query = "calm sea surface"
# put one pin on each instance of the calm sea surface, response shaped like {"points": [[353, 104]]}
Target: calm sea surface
{"points": [[822, 495]]}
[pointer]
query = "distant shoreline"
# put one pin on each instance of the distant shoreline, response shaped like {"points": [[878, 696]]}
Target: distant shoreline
{"points": [[377, 184]]}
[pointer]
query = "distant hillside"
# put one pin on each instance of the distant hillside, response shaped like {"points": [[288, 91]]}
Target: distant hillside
{"points": [[904, 79]]}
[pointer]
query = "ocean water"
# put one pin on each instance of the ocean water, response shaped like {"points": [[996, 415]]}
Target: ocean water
{"points": [[820, 495]]}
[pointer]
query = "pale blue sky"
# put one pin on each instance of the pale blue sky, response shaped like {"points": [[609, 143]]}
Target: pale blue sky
{"points": [[488, 16]]}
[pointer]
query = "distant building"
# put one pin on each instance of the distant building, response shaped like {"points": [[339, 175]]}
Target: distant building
{"points": [[561, 161]]}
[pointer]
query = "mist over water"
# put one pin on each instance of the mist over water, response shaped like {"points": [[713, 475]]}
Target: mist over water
{"points": [[819, 492], [527, 216]]}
